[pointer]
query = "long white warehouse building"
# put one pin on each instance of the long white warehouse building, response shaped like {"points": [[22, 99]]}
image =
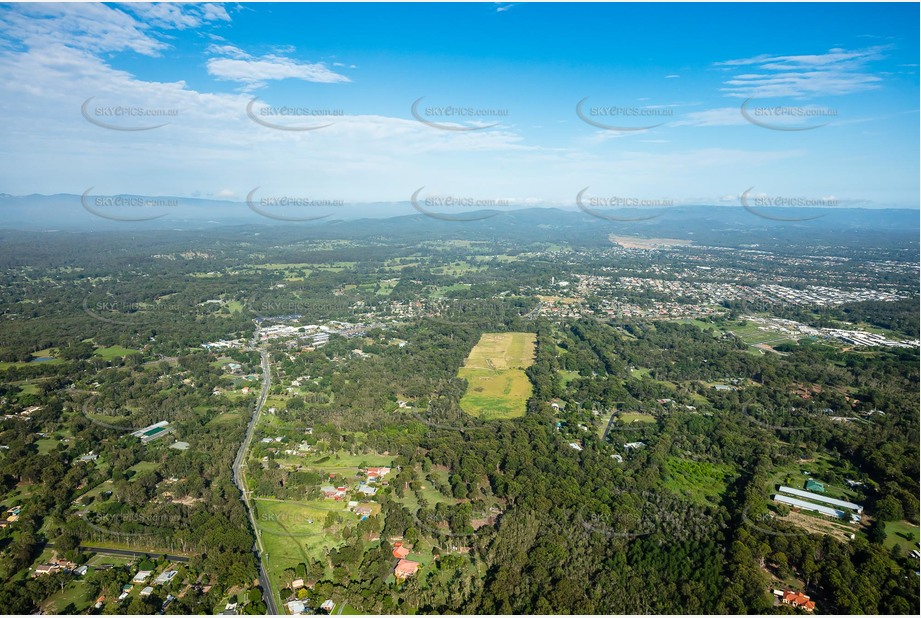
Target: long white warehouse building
{"points": [[821, 498], [810, 506]]}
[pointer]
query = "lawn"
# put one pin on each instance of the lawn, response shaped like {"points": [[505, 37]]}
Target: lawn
{"points": [[753, 334], [283, 266], [497, 386], [428, 492], [397, 266], [567, 376], [138, 544], [74, 592], [456, 269], [603, 426], [385, 287], [501, 258], [46, 445], [114, 351], [346, 464], [636, 417], [443, 290], [702, 325], [28, 388], [104, 486], [348, 610], [642, 373], [121, 423], [292, 532], [903, 534], [143, 467], [112, 559], [46, 353], [227, 418]]}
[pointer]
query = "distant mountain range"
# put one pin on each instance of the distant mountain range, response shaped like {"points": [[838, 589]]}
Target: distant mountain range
{"points": [[719, 225]]}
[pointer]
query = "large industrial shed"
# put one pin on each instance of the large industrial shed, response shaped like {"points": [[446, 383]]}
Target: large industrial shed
{"points": [[809, 506], [821, 498]]}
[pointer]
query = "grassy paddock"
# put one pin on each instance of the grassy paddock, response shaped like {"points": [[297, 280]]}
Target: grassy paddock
{"points": [[497, 386]]}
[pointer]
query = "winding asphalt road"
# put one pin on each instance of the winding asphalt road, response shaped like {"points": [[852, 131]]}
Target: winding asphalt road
{"points": [[268, 594]]}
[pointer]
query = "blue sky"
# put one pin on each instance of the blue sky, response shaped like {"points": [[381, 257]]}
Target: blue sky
{"points": [[686, 68]]}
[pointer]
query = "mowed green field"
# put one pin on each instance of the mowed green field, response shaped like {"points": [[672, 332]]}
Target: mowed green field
{"points": [[114, 351], [497, 386], [753, 334], [283, 522], [292, 532], [903, 534], [636, 417]]}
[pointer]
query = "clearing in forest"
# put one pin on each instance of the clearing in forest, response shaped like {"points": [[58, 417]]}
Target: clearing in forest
{"points": [[497, 386]]}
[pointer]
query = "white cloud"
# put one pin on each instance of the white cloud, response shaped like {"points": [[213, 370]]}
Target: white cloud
{"points": [[214, 12], [98, 28], [719, 117], [231, 51], [211, 145], [88, 27], [56, 58], [256, 72], [177, 16], [836, 72]]}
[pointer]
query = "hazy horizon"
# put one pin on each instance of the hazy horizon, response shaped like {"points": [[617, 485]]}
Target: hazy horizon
{"points": [[375, 101]]}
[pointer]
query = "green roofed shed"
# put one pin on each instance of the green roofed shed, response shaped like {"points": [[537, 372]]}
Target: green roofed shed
{"points": [[813, 485]]}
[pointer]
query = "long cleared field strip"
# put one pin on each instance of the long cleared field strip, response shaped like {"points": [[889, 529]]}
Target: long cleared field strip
{"points": [[497, 386]]}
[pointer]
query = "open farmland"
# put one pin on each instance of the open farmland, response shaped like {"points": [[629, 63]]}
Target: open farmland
{"points": [[497, 386]]}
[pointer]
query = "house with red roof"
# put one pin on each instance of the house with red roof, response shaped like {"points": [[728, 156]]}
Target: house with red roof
{"points": [[334, 493], [405, 568], [400, 552], [796, 599], [376, 473]]}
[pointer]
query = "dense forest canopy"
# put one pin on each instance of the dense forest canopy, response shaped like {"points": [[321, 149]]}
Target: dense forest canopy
{"points": [[637, 478]]}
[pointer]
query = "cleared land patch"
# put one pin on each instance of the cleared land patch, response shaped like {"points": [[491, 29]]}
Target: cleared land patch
{"points": [[497, 386], [699, 481]]}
